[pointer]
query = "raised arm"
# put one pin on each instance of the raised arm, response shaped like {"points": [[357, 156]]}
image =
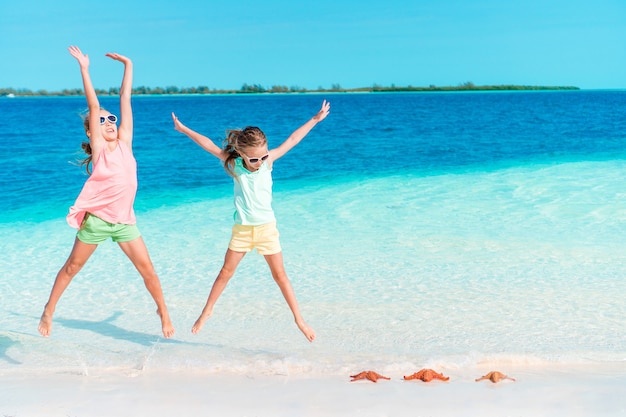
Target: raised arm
{"points": [[125, 129], [204, 142], [300, 133], [96, 140]]}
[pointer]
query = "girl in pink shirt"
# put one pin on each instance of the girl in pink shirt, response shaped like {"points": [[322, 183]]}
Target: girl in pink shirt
{"points": [[104, 207]]}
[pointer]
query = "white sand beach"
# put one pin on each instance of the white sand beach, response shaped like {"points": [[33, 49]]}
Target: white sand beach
{"points": [[585, 391]]}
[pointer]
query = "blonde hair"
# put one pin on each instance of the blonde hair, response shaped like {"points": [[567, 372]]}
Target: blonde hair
{"points": [[87, 145], [239, 140]]}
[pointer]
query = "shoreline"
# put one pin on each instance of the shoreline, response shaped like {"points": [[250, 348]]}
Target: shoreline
{"points": [[556, 391]]}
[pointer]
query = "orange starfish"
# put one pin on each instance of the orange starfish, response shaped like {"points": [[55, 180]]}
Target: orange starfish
{"points": [[371, 375], [427, 375], [494, 376]]}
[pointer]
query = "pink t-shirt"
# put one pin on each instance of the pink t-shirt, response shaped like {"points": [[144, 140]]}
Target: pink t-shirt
{"points": [[109, 192]]}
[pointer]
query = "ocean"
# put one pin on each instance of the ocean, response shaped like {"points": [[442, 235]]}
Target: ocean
{"points": [[441, 230]]}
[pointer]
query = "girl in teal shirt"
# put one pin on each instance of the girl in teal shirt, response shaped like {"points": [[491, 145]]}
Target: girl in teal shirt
{"points": [[247, 159]]}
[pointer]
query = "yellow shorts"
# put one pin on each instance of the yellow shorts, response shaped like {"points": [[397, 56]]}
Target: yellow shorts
{"points": [[264, 238]]}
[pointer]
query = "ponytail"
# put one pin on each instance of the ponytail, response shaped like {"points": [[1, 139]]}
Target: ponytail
{"points": [[230, 148], [238, 139], [87, 161]]}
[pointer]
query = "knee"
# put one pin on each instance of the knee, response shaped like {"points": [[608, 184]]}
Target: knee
{"points": [[147, 271], [72, 267], [280, 278], [226, 274]]}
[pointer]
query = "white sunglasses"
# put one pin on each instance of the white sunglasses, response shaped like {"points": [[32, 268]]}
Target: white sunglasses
{"points": [[256, 160], [110, 118]]}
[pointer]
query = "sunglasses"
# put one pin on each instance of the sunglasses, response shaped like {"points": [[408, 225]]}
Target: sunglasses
{"points": [[256, 160], [111, 118]]}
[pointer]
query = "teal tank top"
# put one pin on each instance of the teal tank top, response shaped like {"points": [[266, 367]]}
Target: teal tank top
{"points": [[253, 195]]}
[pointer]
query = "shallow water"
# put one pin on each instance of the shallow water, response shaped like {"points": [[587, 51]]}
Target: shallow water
{"points": [[443, 230]]}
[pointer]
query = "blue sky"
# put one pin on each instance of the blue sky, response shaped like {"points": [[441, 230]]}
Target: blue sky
{"points": [[311, 44]]}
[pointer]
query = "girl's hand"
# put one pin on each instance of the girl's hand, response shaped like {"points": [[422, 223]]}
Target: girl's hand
{"points": [[321, 115], [118, 57], [83, 59], [177, 123]]}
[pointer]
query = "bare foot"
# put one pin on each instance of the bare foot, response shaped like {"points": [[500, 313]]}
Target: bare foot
{"points": [[166, 324], [308, 332], [197, 326], [45, 324]]}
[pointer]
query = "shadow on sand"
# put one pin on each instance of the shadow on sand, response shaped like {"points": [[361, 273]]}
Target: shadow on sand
{"points": [[107, 328], [5, 343]]}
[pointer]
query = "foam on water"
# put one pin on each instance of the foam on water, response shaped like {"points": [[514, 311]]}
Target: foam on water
{"points": [[518, 265]]}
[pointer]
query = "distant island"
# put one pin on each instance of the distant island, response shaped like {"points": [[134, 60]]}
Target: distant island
{"points": [[279, 89]]}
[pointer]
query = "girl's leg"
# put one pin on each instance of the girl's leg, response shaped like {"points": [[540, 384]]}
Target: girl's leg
{"points": [[277, 267], [231, 261], [137, 252], [77, 259]]}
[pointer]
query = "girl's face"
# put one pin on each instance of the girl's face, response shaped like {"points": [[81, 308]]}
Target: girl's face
{"points": [[254, 157], [108, 125]]}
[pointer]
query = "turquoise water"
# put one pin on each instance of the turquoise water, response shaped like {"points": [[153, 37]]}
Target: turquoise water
{"points": [[441, 230]]}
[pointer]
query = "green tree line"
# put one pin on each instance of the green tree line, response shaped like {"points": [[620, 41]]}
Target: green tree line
{"points": [[257, 88]]}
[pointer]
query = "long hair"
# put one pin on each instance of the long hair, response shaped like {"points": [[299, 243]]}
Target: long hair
{"points": [[238, 140], [87, 162]]}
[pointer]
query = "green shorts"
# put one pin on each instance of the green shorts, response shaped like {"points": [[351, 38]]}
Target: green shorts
{"points": [[264, 238], [94, 231]]}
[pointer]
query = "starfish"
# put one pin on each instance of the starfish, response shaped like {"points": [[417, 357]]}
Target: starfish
{"points": [[494, 377], [371, 375], [427, 375]]}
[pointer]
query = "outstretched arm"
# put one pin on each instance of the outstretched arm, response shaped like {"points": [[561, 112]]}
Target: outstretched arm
{"points": [[95, 134], [125, 130], [204, 142], [300, 133]]}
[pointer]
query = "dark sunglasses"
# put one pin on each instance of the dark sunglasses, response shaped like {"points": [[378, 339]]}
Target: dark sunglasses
{"points": [[255, 160], [111, 118]]}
